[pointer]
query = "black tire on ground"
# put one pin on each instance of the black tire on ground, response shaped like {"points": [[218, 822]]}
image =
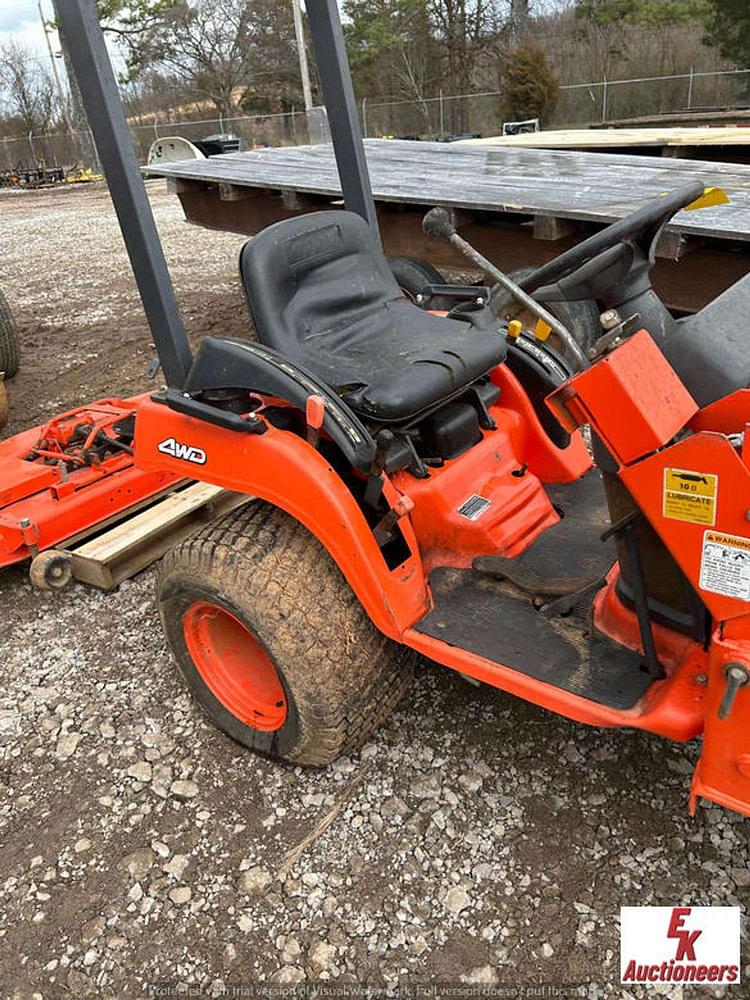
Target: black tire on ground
{"points": [[581, 318], [10, 352], [413, 274], [340, 676]]}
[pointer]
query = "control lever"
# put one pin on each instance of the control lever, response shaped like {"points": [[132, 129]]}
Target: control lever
{"points": [[437, 224], [736, 677], [374, 488], [315, 414], [384, 528]]}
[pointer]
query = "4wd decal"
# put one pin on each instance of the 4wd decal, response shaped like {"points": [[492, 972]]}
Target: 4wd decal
{"points": [[186, 452]]}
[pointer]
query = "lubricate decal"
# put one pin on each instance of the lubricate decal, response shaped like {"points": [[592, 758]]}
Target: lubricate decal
{"points": [[725, 565], [474, 507], [187, 452], [690, 496]]}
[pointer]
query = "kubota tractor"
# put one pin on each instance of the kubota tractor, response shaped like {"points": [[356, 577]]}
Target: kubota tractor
{"points": [[420, 484]]}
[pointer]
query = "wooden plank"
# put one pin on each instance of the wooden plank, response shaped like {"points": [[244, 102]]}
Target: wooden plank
{"points": [[550, 227], [594, 187], [133, 544], [178, 185], [685, 117], [233, 192], [612, 138], [95, 529], [676, 246]]}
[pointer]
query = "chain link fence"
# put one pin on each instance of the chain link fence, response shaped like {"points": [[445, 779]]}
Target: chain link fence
{"points": [[440, 117], [579, 104]]}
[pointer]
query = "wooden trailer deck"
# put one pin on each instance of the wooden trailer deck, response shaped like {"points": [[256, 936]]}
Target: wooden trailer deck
{"points": [[727, 144], [518, 206]]}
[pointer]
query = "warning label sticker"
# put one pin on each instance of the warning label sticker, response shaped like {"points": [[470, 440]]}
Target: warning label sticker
{"points": [[725, 565], [690, 496]]}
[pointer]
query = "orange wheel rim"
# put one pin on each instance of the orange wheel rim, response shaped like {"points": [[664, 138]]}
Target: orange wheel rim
{"points": [[234, 666]]}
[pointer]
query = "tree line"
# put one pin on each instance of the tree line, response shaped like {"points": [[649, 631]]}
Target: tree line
{"points": [[200, 58]]}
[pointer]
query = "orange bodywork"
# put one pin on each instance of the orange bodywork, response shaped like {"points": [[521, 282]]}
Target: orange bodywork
{"points": [[633, 401], [718, 470], [286, 471], [492, 469], [509, 467]]}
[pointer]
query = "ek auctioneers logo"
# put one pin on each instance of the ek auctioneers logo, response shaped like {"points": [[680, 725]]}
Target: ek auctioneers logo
{"points": [[680, 944]]}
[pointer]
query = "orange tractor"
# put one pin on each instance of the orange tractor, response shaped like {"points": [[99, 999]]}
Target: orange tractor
{"points": [[420, 483]]}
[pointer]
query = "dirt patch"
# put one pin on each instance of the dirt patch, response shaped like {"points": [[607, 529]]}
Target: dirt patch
{"points": [[83, 331]]}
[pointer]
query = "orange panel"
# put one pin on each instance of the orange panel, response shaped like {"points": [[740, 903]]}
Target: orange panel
{"points": [[708, 455], [632, 397], [529, 439], [511, 504], [723, 771], [728, 415]]}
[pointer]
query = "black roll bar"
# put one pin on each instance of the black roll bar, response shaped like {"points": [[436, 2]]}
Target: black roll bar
{"points": [[89, 58], [96, 81]]}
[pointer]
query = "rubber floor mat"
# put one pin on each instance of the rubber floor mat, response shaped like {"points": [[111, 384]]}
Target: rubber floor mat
{"points": [[476, 613]]}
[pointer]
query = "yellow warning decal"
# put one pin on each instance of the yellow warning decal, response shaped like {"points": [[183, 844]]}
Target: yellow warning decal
{"points": [[690, 496]]}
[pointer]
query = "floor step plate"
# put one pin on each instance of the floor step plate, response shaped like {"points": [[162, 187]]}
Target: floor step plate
{"points": [[480, 615]]}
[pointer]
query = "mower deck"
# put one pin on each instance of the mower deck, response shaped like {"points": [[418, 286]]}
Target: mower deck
{"points": [[493, 620], [75, 475]]}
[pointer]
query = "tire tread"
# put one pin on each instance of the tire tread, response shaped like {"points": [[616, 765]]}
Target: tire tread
{"points": [[10, 351], [301, 607]]}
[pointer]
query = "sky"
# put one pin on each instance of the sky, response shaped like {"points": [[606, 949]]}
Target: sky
{"points": [[19, 20]]}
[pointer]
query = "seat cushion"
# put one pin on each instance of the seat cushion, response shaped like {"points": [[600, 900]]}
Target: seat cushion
{"points": [[321, 294]]}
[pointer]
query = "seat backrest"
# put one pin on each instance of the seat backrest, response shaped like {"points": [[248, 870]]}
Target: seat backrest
{"points": [[312, 275]]}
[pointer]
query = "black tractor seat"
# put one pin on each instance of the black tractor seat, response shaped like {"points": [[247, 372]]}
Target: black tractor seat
{"points": [[321, 294]]}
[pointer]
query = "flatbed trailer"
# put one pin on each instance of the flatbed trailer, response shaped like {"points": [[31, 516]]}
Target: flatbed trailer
{"points": [[715, 144], [519, 207]]}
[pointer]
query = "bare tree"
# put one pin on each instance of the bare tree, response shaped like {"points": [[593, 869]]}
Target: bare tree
{"points": [[392, 51], [215, 47], [519, 20], [468, 30], [26, 88]]}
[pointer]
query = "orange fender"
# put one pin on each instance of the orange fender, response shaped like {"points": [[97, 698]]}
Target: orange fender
{"points": [[287, 472]]}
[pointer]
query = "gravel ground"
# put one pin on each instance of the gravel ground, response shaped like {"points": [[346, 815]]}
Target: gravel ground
{"points": [[475, 840]]}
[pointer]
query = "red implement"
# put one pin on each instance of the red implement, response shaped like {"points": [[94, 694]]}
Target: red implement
{"points": [[75, 473]]}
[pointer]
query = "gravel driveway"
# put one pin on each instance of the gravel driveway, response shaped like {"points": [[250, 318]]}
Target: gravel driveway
{"points": [[475, 840]]}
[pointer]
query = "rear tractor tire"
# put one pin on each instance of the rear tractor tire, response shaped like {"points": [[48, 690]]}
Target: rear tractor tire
{"points": [[273, 643], [413, 274]]}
